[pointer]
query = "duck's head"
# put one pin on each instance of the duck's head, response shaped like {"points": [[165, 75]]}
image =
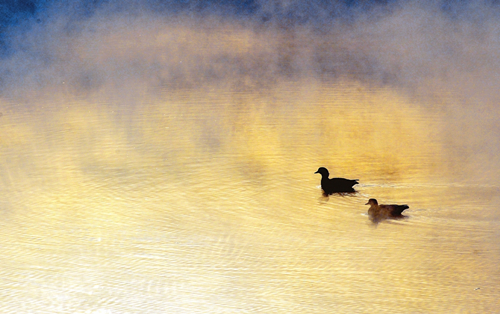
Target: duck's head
{"points": [[372, 201], [323, 171]]}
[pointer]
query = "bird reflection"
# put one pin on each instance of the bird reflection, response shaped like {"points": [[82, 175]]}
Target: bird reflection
{"points": [[335, 185], [381, 212]]}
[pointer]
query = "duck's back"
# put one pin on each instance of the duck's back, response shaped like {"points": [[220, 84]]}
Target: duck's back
{"points": [[345, 181], [395, 210], [338, 185], [341, 182]]}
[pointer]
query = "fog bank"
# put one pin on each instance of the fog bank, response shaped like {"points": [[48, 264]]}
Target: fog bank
{"points": [[444, 58]]}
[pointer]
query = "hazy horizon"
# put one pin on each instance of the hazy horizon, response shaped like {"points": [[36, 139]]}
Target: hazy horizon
{"points": [[441, 56]]}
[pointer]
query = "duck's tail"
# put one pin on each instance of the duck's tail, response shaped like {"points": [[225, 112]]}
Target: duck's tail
{"points": [[398, 209]]}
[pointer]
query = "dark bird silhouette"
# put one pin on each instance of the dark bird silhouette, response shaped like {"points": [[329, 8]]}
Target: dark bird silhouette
{"points": [[335, 185], [378, 212]]}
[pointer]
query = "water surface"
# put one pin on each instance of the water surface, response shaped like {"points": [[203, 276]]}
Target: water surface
{"points": [[206, 201]]}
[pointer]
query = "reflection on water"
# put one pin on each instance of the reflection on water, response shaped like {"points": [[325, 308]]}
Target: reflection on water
{"points": [[207, 202]]}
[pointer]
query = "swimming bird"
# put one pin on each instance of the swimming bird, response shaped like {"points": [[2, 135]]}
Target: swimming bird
{"points": [[335, 185], [379, 212]]}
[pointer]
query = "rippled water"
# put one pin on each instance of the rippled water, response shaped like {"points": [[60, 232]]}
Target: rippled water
{"points": [[206, 201]]}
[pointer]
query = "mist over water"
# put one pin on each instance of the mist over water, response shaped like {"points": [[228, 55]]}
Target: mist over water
{"points": [[159, 156], [443, 60]]}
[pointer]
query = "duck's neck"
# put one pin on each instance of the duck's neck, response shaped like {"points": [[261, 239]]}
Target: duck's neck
{"points": [[325, 182], [374, 210]]}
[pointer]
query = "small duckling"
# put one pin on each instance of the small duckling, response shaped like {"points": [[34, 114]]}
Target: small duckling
{"points": [[335, 185], [378, 212]]}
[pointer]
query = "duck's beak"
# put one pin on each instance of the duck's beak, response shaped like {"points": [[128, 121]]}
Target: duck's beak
{"points": [[316, 172], [367, 203]]}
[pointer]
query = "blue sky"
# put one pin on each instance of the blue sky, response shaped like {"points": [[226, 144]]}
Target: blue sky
{"points": [[14, 12]]}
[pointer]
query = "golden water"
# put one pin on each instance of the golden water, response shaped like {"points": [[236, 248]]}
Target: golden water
{"points": [[206, 201]]}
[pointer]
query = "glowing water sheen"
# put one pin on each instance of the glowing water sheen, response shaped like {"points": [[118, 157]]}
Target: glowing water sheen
{"points": [[206, 201]]}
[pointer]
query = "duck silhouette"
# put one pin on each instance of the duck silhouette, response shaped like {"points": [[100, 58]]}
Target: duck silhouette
{"points": [[335, 185], [378, 212]]}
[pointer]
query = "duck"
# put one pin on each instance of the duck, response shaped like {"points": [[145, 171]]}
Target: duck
{"points": [[335, 185], [378, 212]]}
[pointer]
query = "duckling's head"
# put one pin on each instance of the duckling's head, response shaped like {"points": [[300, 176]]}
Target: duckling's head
{"points": [[372, 201], [323, 171]]}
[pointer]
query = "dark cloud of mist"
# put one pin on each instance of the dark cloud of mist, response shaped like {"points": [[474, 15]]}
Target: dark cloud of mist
{"points": [[407, 44], [443, 53]]}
